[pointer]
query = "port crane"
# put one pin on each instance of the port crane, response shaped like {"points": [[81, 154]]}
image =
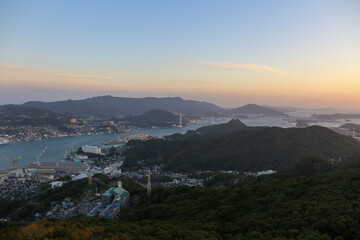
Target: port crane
{"points": [[14, 160], [39, 156]]}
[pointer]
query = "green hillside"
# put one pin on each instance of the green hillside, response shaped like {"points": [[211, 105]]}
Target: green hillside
{"points": [[319, 206], [251, 149], [217, 129]]}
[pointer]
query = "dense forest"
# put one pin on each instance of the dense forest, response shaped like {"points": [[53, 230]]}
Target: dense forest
{"points": [[321, 202], [249, 149]]}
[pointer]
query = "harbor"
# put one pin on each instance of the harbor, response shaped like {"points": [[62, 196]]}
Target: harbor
{"points": [[57, 147]]}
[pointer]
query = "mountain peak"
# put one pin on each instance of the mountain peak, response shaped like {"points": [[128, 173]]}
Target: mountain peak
{"points": [[253, 109]]}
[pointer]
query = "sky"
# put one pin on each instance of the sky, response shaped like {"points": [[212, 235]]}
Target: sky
{"points": [[275, 52]]}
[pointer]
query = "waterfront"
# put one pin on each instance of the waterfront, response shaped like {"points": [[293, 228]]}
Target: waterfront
{"points": [[57, 146]]}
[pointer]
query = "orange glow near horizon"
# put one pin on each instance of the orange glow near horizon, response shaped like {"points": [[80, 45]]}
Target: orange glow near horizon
{"points": [[231, 85]]}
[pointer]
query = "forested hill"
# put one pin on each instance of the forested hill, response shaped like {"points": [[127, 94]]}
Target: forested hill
{"points": [[14, 111], [217, 129], [16, 115], [251, 149], [316, 207], [114, 106], [155, 117]]}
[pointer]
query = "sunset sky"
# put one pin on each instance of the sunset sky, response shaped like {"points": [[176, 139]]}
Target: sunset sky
{"points": [[274, 52]]}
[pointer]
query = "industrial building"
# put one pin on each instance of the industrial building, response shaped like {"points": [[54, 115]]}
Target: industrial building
{"points": [[58, 167], [91, 149]]}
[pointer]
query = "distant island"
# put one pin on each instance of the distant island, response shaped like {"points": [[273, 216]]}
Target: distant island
{"points": [[253, 109], [351, 126]]}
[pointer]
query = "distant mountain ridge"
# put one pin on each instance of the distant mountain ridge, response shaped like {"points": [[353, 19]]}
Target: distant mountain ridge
{"points": [[253, 109], [114, 106], [18, 115], [17, 110]]}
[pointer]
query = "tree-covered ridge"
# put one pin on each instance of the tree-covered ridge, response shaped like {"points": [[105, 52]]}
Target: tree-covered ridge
{"points": [[212, 130], [251, 149], [319, 206], [15, 115], [154, 117]]}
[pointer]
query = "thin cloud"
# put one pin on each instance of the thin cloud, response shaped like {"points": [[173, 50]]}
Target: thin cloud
{"points": [[112, 73], [70, 73], [212, 82], [237, 66], [82, 76], [12, 75]]}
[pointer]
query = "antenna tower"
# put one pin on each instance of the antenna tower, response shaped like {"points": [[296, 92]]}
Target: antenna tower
{"points": [[149, 183], [180, 121]]}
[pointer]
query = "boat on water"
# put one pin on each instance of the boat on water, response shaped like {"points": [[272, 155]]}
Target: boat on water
{"points": [[3, 141]]}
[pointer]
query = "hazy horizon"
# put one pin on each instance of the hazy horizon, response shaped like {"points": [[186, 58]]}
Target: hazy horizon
{"points": [[85, 96], [278, 53]]}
